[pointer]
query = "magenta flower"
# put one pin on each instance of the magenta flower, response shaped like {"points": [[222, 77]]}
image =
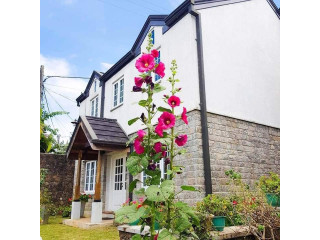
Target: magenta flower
{"points": [[141, 134], [167, 120], [181, 140], [138, 146], [145, 63], [184, 115], [158, 147], [155, 53], [136, 89], [138, 81], [148, 79], [159, 130], [160, 69], [174, 101]]}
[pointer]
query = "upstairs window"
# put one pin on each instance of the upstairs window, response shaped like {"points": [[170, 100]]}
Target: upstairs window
{"points": [[90, 177], [152, 36], [94, 107], [95, 85], [157, 60], [118, 93]]}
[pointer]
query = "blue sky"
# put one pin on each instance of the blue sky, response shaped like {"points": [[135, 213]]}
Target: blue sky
{"points": [[78, 36]]}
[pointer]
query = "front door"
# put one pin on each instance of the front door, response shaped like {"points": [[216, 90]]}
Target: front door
{"points": [[118, 185]]}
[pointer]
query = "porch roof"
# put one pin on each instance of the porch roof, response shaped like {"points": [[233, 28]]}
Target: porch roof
{"points": [[92, 134]]}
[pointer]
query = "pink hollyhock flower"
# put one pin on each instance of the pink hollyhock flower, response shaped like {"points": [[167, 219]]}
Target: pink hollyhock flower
{"points": [[145, 63], [167, 120], [138, 146], [141, 134], [155, 53], [181, 140], [138, 81], [160, 69], [158, 148], [174, 101], [184, 115], [159, 130]]}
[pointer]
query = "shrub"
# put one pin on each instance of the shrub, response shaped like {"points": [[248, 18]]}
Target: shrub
{"points": [[270, 184]]}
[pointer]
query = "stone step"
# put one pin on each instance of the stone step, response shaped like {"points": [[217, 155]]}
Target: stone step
{"points": [[108, 215]]}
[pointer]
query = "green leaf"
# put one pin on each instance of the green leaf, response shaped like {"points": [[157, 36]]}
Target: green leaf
{"points": [[128, 214], [131, 139], [154, 194], [162, 109], [132, 121], [166, 235], [136, 237], [189, 188], [158, 88], [133, 185], [167, 188], [144, 162], [140, 192], [169, 172], [145, 103], [133, 165], [182, 224]]}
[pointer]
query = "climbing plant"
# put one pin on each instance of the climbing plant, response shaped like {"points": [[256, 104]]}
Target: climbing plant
{"points": [[151, 144]]}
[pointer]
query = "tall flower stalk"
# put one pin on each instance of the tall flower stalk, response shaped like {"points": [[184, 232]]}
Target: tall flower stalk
{"points": [[151, 144]]}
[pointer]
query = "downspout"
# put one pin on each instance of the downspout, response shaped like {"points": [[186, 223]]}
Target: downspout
{"points": [[203, 105], [130, 176], [102, 99]]}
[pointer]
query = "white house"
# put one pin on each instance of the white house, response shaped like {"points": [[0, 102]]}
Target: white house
{"points": [[228, 59]]}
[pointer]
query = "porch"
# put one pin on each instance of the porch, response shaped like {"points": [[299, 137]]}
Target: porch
{"points": [[99, 144]]}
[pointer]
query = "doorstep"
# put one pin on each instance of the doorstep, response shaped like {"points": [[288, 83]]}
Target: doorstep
{"points": [[85, 223], [232, 232]]}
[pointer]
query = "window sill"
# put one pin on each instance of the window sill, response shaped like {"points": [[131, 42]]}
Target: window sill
{"points": [[89, 192], [116, 107]]}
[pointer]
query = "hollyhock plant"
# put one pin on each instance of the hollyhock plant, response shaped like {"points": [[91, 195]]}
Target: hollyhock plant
{"points": [[181, 140], [141, 133], [174, 101], [159, 130], [167, 120], [160, 69], [184, 115], [136, 89], [145, 63], [158, 147], [138, 81]]}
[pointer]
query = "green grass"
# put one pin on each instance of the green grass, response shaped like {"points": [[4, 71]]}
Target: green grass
{"points": [[56, 230]]}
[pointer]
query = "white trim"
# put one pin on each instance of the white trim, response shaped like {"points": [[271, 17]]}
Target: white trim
{"points": [[88, 127], [118, 81], [94, 177]]}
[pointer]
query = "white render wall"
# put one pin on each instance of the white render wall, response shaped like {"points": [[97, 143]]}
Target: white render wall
{"points": [[242, 61], [177, 43]]}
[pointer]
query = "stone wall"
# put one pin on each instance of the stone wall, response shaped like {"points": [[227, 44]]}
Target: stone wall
{"points": [[59, 180]]}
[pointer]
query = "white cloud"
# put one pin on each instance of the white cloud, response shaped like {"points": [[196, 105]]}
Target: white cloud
{"points": [[106, 66], [59, 89]]}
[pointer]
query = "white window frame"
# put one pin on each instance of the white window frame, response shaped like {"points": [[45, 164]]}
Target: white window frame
{"points": [[162, 168], [94, 105], [95, 85], [118, 100], [87, 190]]}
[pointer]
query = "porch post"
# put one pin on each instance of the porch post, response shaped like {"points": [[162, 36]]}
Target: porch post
{"points": [[76, 204], [96, 212]]}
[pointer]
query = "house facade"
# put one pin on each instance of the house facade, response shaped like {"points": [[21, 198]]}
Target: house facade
{"points": [[228, 56]]}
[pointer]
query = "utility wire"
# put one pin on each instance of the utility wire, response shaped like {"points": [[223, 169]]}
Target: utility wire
{"points": [[60, 95], [63, 77], [58, 103], [135, 3], [156, 5], [62, 86], [45, 96]]}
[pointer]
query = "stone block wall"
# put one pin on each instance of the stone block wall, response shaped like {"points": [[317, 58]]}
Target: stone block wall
{"points": [[59, 180], [249, 148]]}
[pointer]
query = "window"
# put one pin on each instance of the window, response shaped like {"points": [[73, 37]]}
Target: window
{"points": [[90, 178], [94, 107], [157, 60], [118, 93], [163, 168], [152, 36]]}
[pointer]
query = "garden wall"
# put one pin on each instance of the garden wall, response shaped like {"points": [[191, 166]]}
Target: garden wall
{"points": [[59, 180]]}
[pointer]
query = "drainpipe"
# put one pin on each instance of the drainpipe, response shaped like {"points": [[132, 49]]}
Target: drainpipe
{"points": [[130, 176], [102, 99], [203, 105]]}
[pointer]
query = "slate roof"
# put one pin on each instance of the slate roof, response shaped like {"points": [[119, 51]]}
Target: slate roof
{"points": [[108, 131]]}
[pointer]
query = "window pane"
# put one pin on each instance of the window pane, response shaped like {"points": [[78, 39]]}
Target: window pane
{"points": [[92, 108], [96, 113], [121, 90], [115, 95], [157, 60], [95, 85], [152, 36]]}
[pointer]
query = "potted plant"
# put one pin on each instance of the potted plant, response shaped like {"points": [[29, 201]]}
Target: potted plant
{"points": [[218, 207], [270, 185], [84, 198]]}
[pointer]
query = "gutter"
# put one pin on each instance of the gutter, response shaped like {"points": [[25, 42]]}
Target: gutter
{"points": [[203, 105], [102, 99]]}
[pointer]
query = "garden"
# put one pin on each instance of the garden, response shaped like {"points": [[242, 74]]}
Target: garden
{"points": [[157, 210]]}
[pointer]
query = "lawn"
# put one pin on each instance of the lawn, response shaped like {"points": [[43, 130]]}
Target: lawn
{"points": [[56, 230]]}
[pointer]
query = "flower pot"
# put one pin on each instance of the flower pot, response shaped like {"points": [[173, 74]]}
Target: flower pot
{"points": [[135, 223], [273, 199], [45, 214], [219, 222], [83, 205]]}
